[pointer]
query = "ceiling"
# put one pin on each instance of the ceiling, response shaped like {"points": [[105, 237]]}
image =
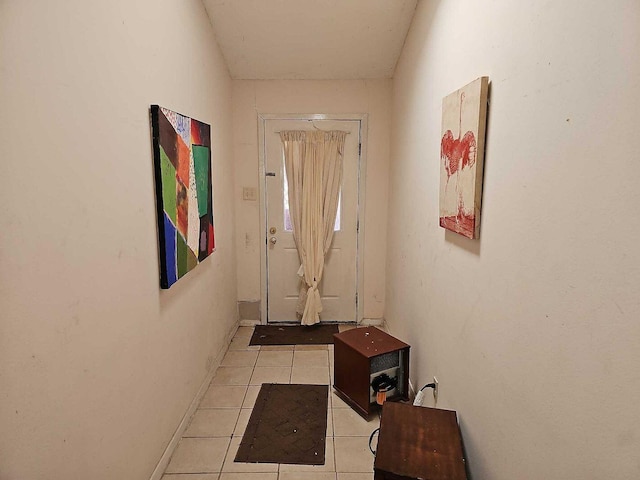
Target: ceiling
{"points": [[310, 39]]}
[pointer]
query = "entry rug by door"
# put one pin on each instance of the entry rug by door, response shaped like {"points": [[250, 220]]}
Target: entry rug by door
{"points": [[318, 334], [288, 425]]}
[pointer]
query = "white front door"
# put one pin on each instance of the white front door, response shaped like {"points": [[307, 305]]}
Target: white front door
{"points": [[339, 282]]}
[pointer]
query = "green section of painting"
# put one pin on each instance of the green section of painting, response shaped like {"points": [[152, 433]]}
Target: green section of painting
{"points": [[182, 248], [186, 259], [168, 185], [201, 164], [192, 260]]}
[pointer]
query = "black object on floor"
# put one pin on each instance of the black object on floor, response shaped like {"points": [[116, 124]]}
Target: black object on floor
{"points": [[288, 425], [318, 334]]}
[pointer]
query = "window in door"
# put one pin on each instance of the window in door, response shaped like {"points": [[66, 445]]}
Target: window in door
{"points": [[287, 215]]}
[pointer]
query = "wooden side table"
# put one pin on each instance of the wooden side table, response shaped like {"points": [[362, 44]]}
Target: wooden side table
{"points": [[362, 353], [419, 442]]}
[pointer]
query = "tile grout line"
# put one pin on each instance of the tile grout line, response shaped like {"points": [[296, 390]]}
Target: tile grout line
{"points": [[225, 456], [239, 414], [290, 376], [246, 391]]}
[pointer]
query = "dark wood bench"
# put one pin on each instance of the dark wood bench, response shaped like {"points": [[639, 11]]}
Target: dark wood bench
{"points": [[419, 442]]}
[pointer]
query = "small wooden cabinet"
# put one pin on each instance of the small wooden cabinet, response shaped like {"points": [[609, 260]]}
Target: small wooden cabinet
{"points": [[419, 442], [360, 354]]}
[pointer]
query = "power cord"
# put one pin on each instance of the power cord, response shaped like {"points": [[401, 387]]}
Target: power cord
{"points": [[371, 438], [417, 402], [374, 432]]}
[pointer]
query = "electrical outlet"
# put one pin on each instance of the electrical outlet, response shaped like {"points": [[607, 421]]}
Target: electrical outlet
{"points": [[435, 389]]}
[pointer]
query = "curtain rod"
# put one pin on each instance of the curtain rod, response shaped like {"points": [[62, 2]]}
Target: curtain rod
{"points": [[314, 126], [319, 129]]}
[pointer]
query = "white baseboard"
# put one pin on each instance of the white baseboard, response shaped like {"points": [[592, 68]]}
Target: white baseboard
{"points": [[370, 322], [249, 323], [184, 423]]}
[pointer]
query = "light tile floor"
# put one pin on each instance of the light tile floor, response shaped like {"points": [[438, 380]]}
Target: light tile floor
{"points": [[209, 444]]}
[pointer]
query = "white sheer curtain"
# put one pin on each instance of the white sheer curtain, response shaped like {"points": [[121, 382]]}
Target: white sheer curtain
{"points": [[313, 163]]}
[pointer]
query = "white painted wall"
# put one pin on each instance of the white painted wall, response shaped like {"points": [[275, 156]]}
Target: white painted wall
{"points": [[97, 365], [534, 329], [251, 98]]}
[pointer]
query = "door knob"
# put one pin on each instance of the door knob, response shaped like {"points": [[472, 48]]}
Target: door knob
{"points": [[273, 240]]}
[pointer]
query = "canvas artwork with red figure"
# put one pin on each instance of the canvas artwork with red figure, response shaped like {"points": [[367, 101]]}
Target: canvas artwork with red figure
{"points": [[464, 115]]}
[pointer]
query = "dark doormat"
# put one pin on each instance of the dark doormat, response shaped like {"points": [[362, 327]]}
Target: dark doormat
{"points": [[288, 425], [318, 334]]}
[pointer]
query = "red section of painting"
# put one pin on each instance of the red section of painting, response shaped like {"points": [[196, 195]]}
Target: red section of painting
{"points": [[461, 223], [184, 160], [458, 154], [195, 133], [212, 241], [182, 208]]}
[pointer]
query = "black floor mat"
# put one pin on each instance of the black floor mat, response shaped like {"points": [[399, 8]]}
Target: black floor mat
{"points": [[288, 425], [318, 334]]}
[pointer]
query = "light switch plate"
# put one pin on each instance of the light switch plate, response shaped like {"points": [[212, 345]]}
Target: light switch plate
{"points": [[249, 193]]}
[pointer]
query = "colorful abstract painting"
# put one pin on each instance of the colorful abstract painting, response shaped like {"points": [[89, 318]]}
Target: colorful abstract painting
{"points": [[184, 198], [464, 115]]}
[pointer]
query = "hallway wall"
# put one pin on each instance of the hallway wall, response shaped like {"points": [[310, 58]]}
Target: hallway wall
{"points": [[252, 97], [97, 364], [533, 329]]}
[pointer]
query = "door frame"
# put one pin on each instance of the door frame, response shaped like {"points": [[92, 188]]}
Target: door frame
{"points": [[363, 118]]}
